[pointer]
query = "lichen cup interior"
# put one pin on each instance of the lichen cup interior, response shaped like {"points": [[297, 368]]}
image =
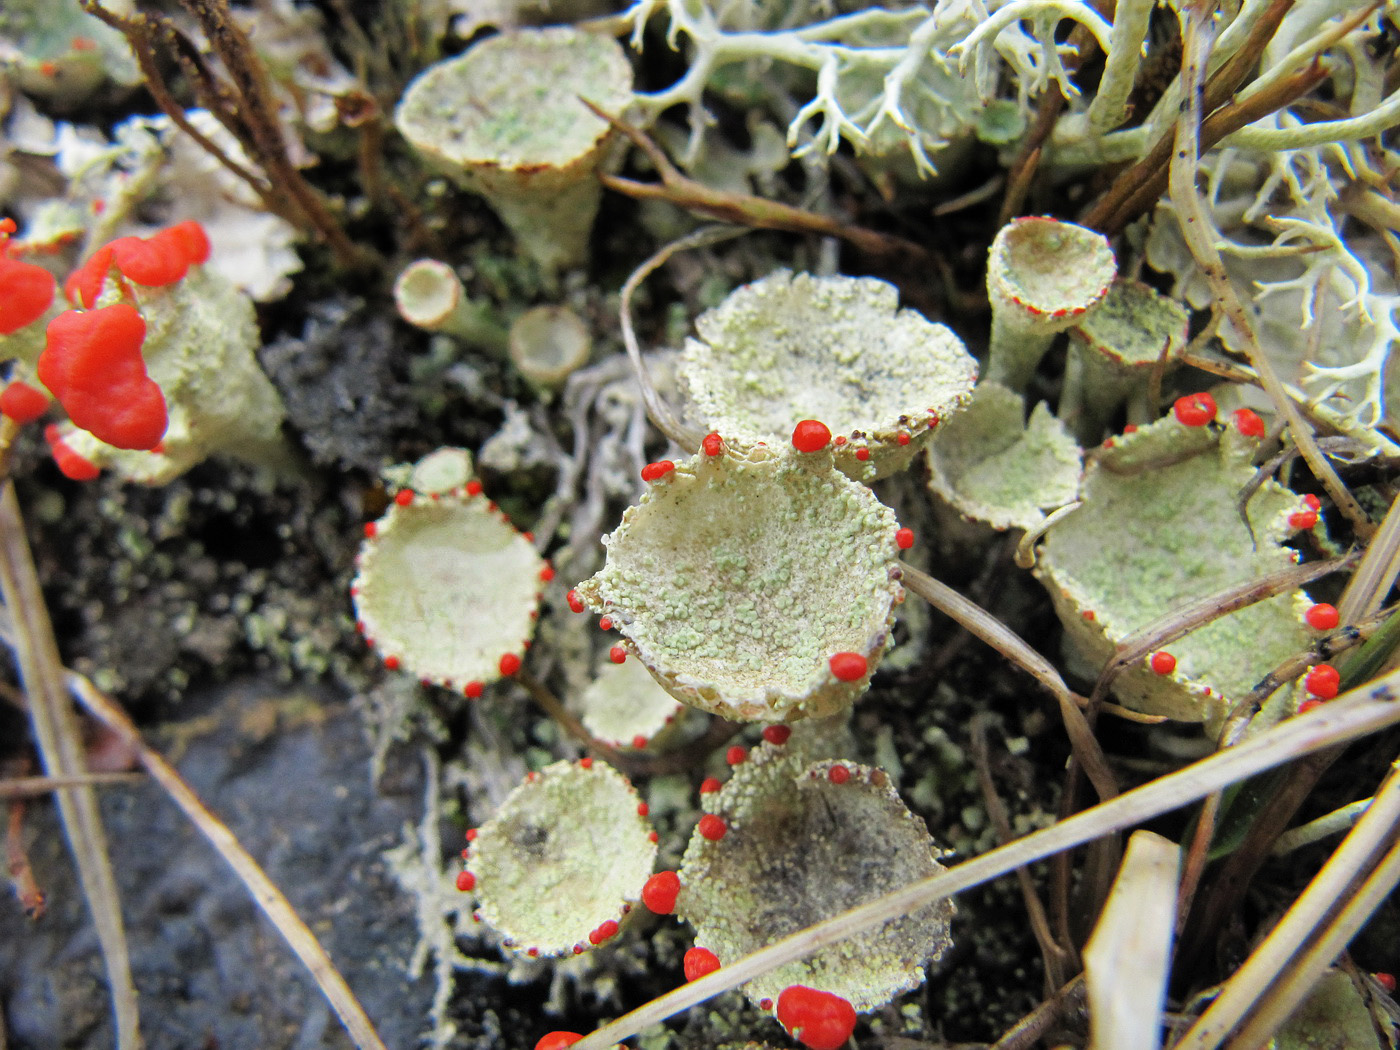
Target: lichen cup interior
{"points": [[758, 584]]}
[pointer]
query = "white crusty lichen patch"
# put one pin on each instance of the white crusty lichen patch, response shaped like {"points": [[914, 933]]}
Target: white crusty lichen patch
{"points": [[563, 860], [838, 349], [994, 466], [1160, 528], [739, 576], [802, 843], [447, 589]]}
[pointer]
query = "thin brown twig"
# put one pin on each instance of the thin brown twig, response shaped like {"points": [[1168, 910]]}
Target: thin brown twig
{"points": [[33, 787], [59, 737], [743, 209], [262, 889]]}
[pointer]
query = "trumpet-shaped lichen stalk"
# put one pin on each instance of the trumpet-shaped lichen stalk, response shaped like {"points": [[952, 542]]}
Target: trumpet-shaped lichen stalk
{"points": [[1043, 276], [505, 117]]}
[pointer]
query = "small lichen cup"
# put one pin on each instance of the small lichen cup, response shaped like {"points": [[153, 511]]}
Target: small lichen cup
{"points": [[1043, 276], [505, 118]]}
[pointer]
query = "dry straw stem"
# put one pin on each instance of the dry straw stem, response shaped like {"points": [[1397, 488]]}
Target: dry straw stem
{"points": [[1358, 713], [1201, 236], [1128, 955], [264, 893], [59, 738], [1255, 986], [30, 787]]}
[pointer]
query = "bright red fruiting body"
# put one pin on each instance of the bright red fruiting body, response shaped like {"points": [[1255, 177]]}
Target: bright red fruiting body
{"points": [[92, 364], [1248, 422], [656, 471], [712, 827], [777, 734], [1322, 617], [472, 690], [712, 444], [473, 488], [559, 1040], [1323, 681], [904, 539], [848, 667], [639, 741], [735, 755], [466, 881], [371, 529], [575, 602], [1308, 705], [1386, 981], [1313, 503], [23, 403], [1303, 519], [71, 464], [838, 774], [810, 435], [547, 573], [709, 784], [862, 454], [902, 438], [643, 810], [585, 763], [1163, 663], [605, 623], [818, 1020], [403, 497], [510, 663], [26, 292], [617, 654], [698, 962], [391, 662], [1194, 410]]}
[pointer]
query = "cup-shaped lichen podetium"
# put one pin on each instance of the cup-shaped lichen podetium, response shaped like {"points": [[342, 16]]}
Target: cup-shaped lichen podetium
{"points": [[505, 118], [838, 349], [1113, 352], [786, 844], [1159, 529], [758, 584], [447, 588], [1043, 276], [563, 860]]}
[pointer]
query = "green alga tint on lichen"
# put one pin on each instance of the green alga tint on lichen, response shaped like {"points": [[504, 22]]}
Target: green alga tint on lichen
{"points": [[568, 851], [738, 577], [837, 349], [805, 842], [1152, 538]]}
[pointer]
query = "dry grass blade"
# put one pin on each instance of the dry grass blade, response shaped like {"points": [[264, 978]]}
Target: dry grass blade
{"points": [[1358, 713], [989, 629], [1127, 958], [1259, 975], [1376, 574], [59, 737], [31, 787], [267, 896]]}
